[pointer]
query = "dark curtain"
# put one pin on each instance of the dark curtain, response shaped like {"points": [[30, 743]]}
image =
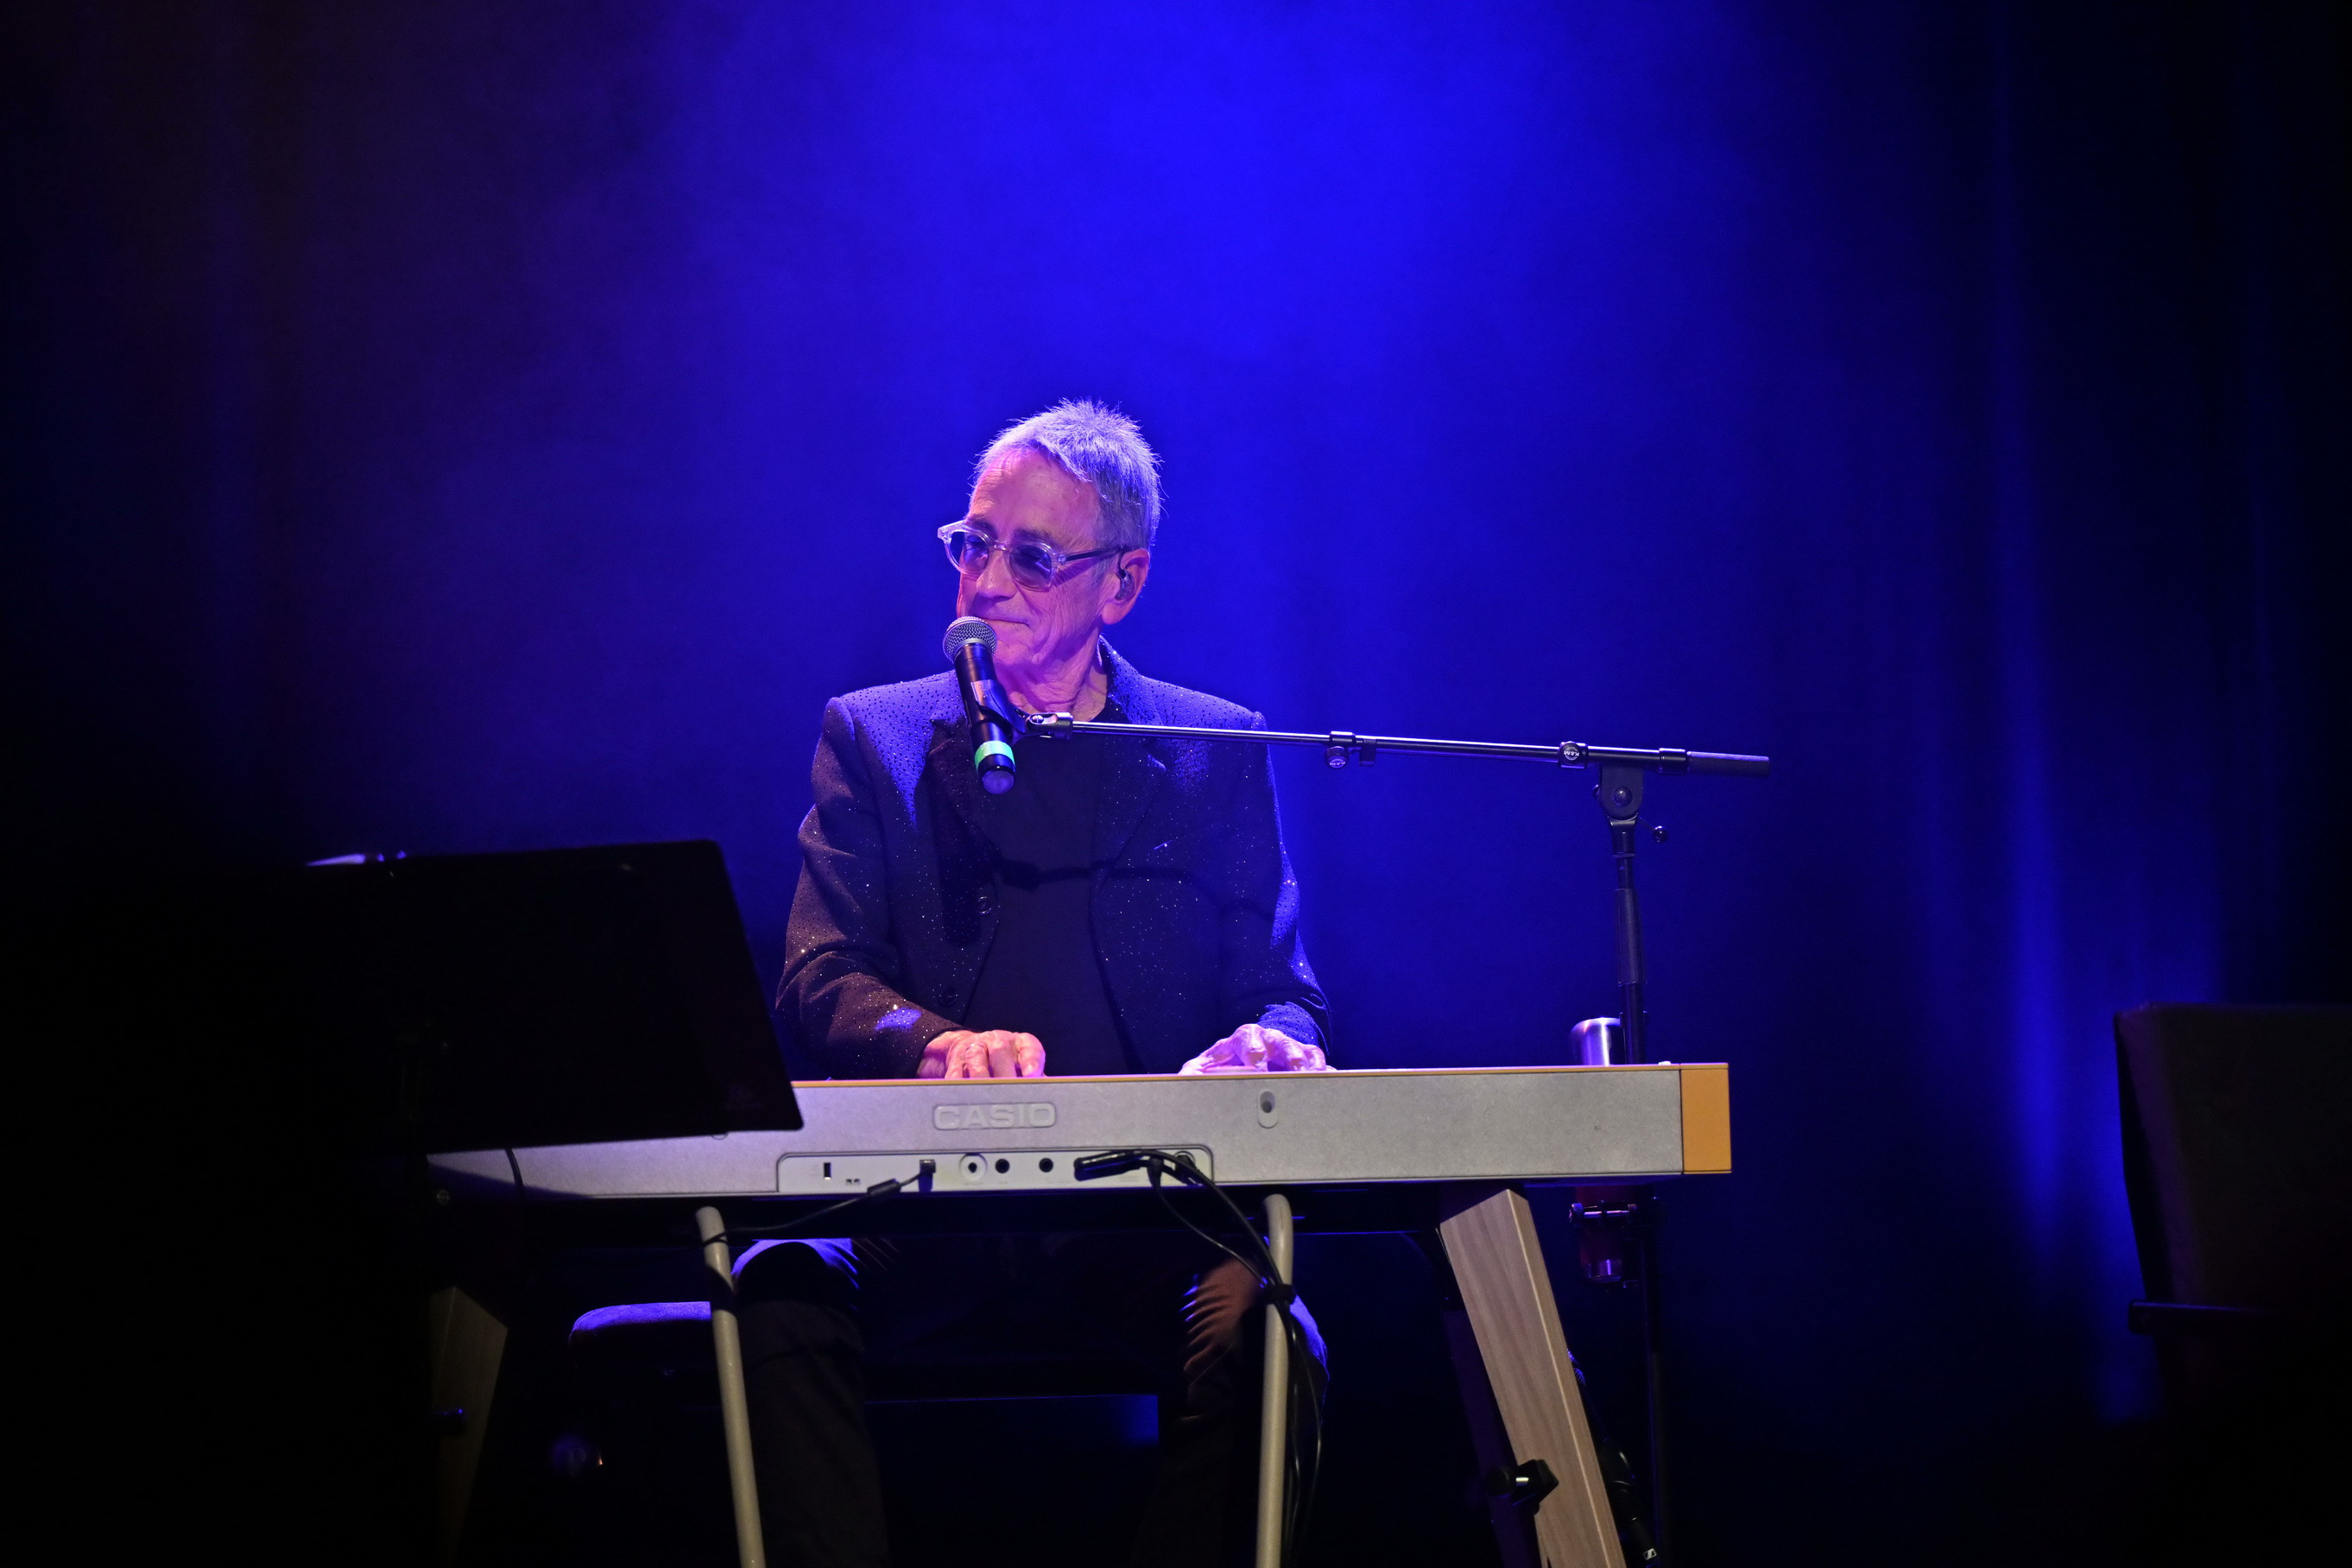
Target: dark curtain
{"points": [[446, 427]]}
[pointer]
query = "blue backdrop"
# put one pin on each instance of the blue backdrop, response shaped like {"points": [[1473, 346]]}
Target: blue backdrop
{"points": [[445, 428]]}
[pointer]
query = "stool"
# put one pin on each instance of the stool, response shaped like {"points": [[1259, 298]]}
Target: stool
{"points": [[675, 1336], [646, 1466], [655, 1331]]}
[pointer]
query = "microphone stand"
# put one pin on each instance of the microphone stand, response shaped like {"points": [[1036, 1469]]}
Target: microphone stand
{"points": [[1619, 790]]}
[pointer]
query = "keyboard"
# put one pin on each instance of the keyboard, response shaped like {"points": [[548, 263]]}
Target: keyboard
{"points": [[1605, 1125]]}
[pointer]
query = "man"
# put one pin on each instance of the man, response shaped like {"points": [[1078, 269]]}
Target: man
{"points": [[1128, 907]]}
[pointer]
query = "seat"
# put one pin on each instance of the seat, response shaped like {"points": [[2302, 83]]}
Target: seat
{"points": [[648, 1388], [673, 1337], [2237, 1142]]}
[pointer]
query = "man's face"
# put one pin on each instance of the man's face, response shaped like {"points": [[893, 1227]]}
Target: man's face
{"points": [[1027, 496]]}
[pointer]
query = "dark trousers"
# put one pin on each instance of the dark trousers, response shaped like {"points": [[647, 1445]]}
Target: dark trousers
{"points": [[1172, 1310]]}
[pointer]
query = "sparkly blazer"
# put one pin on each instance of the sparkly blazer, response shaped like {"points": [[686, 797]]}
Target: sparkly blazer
{"points": [[1196, 910]]}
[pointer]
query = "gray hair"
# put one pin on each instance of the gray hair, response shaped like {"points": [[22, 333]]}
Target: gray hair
{"points": [[1102, 446]]}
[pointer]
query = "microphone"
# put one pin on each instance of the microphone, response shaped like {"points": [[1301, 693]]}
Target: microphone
{"points": [[970, 646]]}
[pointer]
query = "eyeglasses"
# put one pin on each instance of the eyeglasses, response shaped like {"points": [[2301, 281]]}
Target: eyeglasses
{"points": [[1033, 566]]}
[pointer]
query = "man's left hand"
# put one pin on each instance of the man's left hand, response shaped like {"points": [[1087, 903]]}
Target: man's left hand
{"points": [[1253, 1047]]}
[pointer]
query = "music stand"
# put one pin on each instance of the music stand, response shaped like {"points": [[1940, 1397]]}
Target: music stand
{"points": [[552, 997], [503, 1001]]}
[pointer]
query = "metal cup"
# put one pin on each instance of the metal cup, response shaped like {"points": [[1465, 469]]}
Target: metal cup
{"points": [[1599, 1042]]}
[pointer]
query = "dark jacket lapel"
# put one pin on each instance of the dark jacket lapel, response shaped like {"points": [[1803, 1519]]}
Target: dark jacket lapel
{"points": [[966, 869], [1133, 771], [949, 765]]}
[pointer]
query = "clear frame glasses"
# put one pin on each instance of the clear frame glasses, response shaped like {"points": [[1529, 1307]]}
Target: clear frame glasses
{"points": [[1033, 566]]}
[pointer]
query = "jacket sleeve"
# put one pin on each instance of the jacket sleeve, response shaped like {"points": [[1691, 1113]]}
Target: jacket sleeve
{"points": [[841, 970], [1266, 978]]}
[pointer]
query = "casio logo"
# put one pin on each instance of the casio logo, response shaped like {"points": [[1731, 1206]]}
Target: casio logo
{"points": [[955, 1117]]}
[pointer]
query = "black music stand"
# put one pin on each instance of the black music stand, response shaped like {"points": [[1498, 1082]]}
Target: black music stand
{"points": [[552, 997], [481, 1002]]}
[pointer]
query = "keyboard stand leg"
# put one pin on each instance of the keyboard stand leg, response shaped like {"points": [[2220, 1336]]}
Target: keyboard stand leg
{"points": [[1499, 1267], [1274, 1416], [465, 1347], [734, 1404]]}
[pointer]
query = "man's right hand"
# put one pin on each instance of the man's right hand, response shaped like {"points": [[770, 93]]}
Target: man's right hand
{"points": [[991, 1053]]}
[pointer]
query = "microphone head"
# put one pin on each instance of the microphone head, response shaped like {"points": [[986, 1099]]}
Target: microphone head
{"points": [[967, 629]]}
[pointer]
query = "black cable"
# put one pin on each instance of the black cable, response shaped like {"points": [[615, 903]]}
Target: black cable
{"points": [[1165, 1202], [1304, 1465], [1305, 1472], [770, 1232]]}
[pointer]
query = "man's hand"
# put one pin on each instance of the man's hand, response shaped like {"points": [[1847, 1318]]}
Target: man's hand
{"points": [[996, 1053], [1253, 1047]]}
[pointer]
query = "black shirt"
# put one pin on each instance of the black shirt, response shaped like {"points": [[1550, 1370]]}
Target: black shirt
{"points": [[1042, 975]]}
